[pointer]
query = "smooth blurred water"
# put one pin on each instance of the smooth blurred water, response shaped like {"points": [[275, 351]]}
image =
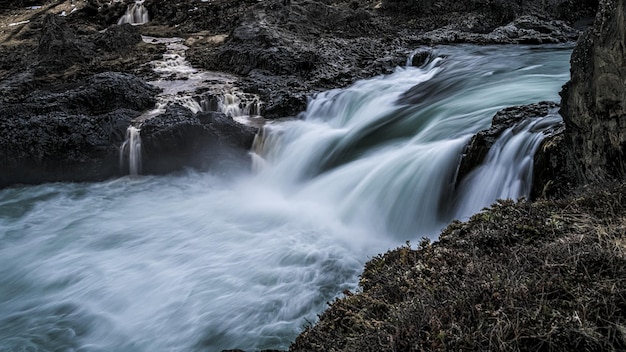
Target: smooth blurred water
{"points": [[209, 261]]}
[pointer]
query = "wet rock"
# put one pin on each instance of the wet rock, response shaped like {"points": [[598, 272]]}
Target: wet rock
{"points": [[550, 180], [70, 132], [178, 139], [97, 94], [281, 95], [60, 146], [478, 147], [594, 100]]}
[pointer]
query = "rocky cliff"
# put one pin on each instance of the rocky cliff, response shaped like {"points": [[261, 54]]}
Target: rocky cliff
{"points": [[594, 100]]}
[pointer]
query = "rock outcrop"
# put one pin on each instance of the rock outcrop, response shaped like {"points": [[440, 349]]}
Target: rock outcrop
{"points": [[478, 147], [70, 132], [594, 100], [178, 138]]}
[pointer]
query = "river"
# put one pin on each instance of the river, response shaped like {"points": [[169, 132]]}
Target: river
{"points": [[198, 261]]}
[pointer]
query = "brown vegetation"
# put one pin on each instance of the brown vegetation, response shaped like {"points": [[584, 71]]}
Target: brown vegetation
{"points": [[543, 276]]}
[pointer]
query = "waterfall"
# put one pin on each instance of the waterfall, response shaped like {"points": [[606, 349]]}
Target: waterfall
{"points": [[212, 261], [130, 151], [135, 14], [507, 170], [386, 151]]}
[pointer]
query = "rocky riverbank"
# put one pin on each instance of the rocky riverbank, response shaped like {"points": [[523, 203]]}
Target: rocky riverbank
{"points": [[281, 51]]}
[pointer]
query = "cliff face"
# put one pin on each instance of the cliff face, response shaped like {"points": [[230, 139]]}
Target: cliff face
{"points": [[594, 100]]}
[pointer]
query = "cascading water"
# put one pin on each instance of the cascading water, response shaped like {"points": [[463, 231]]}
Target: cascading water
{"points": [[136, 14], [507, 170], [181, 81], [130, 151], [391, 147], [212, 261]]}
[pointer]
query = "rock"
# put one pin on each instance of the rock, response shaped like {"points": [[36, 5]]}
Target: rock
{"points": [[98, 94], [119, 39], [281, 95], [59, 46], [70, 132], [522, 30], [59, 146], [594, 100], [550, 178], [178, 138], [478, 147]]}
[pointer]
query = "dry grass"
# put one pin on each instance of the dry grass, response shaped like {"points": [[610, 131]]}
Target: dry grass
{"points": [[543, 276]]}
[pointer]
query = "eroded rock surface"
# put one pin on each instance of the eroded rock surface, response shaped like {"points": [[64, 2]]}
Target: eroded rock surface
{"points": [[70, 132], [594, 100]]}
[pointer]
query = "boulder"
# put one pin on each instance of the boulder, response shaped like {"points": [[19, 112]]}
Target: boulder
{"points": [[120, 39], [179, 138], [59, 45]]}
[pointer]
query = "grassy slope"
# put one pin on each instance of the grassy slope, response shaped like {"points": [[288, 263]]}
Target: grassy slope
{"points": [[542, 276]]}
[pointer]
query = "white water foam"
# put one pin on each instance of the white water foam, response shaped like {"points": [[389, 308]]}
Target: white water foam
{"points": [[136, 14], [130, 151]]}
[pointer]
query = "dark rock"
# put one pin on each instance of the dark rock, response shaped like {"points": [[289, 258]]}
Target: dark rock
{"points": [[178, 138], [522, 30], [59, 146], [118, 38], [97, 94], [479, 145], [594, 100], [420, 57], [70, 132], [256, 45], [550, 179], [59, 46], [281, 95]]}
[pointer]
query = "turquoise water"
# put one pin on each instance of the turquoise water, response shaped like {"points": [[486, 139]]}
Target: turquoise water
{"points": [[209, 261]]}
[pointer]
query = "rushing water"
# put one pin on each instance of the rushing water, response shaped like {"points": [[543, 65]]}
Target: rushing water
{"points": [[135, 14], [209, 261]]}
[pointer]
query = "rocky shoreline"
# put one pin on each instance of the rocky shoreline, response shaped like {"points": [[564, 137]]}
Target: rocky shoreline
{"points": [[547, 275]]}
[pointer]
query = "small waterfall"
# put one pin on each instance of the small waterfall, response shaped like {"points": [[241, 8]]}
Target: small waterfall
{"points": [[233, 105], [507, 170], [181, 82], [135, 14], [130, 151]]}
